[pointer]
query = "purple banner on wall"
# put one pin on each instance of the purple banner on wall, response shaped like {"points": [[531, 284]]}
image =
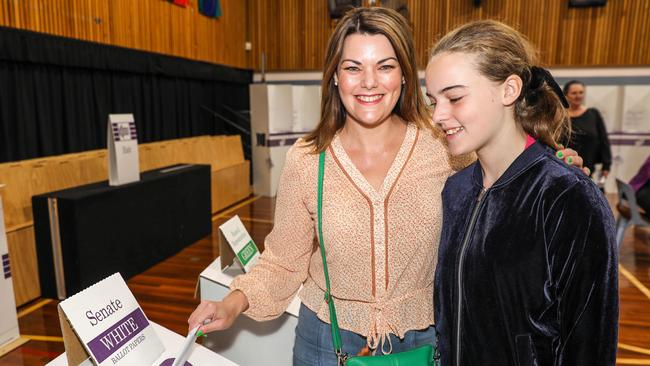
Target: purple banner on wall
{"points": [[118, 335], [629, 142]]}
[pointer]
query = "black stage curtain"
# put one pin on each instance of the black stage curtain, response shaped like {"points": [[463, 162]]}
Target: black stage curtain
{"points": [[56, 94]]}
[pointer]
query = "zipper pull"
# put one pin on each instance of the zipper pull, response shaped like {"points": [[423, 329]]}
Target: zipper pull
{"points": [[481, 194]]}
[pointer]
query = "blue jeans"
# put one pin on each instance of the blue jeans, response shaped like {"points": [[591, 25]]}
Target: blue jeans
{"points": [[313, 345]]}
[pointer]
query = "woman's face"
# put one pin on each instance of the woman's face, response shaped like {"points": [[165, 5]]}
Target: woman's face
{"points": [[369, 78], [466, 105], [576, 95]]}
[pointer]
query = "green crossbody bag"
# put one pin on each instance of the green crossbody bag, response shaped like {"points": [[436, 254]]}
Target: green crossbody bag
{"points": [[420, 356]]}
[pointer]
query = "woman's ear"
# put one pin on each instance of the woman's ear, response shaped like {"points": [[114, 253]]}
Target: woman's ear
{"points": [[512, 89], [336, 80]]}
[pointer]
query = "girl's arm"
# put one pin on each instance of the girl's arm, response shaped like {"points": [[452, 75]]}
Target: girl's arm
{"points": [[584, 269]]}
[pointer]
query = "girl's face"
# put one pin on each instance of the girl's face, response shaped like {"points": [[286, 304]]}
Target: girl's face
{"points": [[369, 78], [576, 95], [469, 108]]}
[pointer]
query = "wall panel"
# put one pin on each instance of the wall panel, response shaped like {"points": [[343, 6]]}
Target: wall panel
{"points": [[149, 25], [293, 34], [616, 34]]}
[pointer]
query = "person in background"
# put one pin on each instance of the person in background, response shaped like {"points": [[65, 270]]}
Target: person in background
{"points": [[641, 185], [527, 262], [588, 131]]}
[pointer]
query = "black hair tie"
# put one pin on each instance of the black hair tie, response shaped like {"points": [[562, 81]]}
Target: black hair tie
{"points": [[538, 76]]}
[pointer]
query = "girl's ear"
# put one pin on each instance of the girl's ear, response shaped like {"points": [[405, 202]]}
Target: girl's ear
{"points": [[511, 89]]}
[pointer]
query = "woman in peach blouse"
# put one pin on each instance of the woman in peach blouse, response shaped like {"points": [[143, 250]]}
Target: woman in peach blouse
{"points": [[384, 171]]}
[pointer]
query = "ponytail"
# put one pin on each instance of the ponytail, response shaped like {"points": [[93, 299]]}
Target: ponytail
{"points": [[541, 108]]}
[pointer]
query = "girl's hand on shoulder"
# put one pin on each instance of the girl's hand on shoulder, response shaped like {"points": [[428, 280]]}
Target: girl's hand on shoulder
{"points": [[571, 157]]}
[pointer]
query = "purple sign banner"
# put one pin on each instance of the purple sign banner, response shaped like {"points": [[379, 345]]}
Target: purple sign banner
{"points": [[118, 335]]}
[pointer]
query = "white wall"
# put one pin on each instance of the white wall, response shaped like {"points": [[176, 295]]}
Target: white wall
{"points": [[8, 320]]}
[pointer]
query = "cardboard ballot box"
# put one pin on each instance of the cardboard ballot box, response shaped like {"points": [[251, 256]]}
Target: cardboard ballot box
{"points": [[104, 325], [272, 341], [171, 341]]}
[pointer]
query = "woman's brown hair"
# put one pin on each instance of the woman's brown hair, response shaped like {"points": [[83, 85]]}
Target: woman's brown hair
{"points": [[500, 52], [410, 107]]}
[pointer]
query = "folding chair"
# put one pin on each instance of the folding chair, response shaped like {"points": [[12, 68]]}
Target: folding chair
{"points": [[629, 211]]}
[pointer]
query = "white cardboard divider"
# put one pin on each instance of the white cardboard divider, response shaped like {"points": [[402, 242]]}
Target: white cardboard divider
{"points": [[9, 333], [106, 323], [636, 108], [306, 107], [608, 99], [122, 142]]}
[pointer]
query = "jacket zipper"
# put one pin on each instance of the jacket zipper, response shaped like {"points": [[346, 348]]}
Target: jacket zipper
{"points": [[470, 228]]}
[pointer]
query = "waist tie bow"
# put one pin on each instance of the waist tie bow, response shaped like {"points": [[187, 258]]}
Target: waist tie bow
{"points": [[382, 323]]}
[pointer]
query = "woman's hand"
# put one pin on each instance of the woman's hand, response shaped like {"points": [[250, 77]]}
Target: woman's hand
{"points": [[571, 157], [219, 314]]}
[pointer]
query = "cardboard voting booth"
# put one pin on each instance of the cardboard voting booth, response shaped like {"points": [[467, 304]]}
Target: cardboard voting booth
{"points": [[124, 163], [636, 108], [626, 112], [235, 243], [305, 107], [280, 115], [272, 340], [9, 334]]}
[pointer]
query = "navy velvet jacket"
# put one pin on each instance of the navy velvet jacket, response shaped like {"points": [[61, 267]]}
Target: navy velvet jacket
{"points": [[527, 272]]}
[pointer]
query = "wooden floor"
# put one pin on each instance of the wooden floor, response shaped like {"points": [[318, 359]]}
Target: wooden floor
{"points": [[166, 292]]}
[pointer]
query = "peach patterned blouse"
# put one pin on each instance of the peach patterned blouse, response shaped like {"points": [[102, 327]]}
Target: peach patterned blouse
{"points": [[381, 246]]}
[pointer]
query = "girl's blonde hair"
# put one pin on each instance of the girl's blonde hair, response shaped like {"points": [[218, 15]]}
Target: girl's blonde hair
{"points": [[502, 51]]}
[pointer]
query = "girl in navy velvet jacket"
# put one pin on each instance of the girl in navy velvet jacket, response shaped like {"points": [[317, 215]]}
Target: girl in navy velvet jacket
{"points": [[527, 267]]}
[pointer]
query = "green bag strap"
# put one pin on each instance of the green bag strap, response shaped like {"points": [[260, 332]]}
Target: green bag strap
{"points": [[336, 333]]}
